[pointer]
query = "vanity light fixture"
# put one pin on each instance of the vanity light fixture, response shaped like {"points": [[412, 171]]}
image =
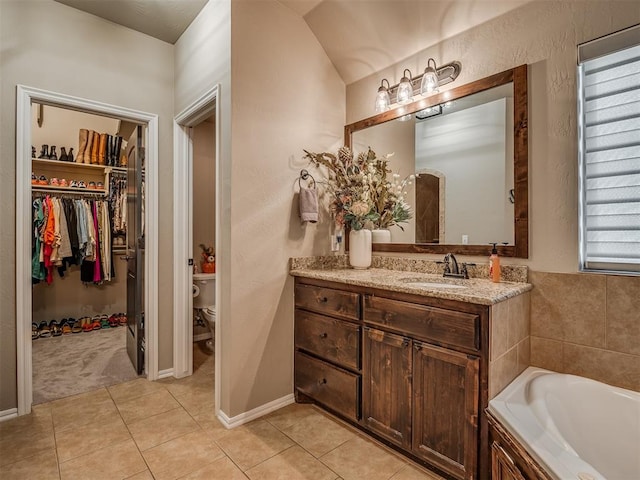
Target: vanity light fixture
{"points": [[404, 94], [426, 83], [383, 101]]}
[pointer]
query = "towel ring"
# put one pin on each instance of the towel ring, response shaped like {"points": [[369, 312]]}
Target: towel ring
{"points": [[305, 175]]}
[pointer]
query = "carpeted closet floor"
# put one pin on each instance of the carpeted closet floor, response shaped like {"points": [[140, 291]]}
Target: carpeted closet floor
{"points": [[76, 363]]}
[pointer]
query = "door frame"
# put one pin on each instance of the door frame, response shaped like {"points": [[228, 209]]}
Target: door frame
{"points": [[195, 113], [25, 96]]}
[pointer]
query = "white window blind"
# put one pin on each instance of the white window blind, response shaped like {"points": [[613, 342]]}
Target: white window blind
{"points": [[609, 116]]}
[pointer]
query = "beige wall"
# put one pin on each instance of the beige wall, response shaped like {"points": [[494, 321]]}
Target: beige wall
{"points": [[204, 187], [544, 35], [287, 96], [48, 45]]}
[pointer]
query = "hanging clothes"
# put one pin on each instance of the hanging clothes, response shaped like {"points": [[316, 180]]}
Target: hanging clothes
{"points": [[68, 232]]}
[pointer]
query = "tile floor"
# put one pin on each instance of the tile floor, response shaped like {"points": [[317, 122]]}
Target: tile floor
{"points": [[167, 430]]}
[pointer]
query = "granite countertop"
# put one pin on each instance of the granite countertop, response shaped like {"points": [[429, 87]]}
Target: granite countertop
{"points": [[475, 290]]}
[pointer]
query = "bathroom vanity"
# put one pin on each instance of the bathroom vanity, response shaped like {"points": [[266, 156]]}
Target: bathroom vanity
{"points": [[402, 355]]}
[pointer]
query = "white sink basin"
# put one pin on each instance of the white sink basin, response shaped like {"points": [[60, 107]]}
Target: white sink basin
{"points": [[427, 283]]}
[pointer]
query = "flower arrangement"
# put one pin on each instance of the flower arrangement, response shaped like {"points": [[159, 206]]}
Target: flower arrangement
{"points": [[362, 194]]}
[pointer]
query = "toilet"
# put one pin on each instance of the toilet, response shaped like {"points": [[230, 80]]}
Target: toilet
{"points": [[204, 300]]}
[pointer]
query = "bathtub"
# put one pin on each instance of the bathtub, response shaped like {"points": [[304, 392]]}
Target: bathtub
{"points": [[576, 428]]}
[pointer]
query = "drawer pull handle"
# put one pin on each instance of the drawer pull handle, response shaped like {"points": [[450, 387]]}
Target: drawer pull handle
{"points": [[322, 381], [323, 335], [323, 300]]}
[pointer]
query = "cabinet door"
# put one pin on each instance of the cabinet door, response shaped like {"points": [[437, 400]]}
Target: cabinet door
{"points": [[502, 466], [445, 412], [386, 390]]}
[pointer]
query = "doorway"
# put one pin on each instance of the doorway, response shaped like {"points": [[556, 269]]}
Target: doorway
{"points": [[26, 96], [206, 107]]}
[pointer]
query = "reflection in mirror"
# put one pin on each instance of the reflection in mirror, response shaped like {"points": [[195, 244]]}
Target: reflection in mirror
{"points": [[468, 149]]}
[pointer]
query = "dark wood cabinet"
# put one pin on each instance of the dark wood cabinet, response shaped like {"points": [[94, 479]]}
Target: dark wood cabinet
{"points": [[408, 369], [503, 466], [386, 390], [445, 408]]}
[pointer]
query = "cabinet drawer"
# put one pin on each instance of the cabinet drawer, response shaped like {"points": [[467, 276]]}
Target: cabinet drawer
{"points": [[330, 338], [433, 324], [335, 388], [329, 301]]}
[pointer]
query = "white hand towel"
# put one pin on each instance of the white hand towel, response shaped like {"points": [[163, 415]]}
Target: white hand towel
{"points": [[308, 204]]}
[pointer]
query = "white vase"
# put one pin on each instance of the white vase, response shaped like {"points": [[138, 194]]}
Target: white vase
{"points": [[381, 235], [360, 248]]}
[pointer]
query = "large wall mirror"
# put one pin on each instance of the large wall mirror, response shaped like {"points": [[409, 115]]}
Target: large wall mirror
{"points": [[468, 148]]}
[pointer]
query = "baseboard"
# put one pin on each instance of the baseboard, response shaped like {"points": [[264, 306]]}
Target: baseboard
{"points": [[8, 414], [257, 412], [165, 373]]}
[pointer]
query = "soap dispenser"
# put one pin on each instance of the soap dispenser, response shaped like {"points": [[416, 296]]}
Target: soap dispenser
{"points": [[494, 264]]}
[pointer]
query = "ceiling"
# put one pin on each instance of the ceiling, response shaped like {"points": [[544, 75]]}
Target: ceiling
{"points": [[163, 19], [360, 37]]}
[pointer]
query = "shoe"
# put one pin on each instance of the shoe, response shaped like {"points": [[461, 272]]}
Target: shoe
{"points": [[82, 144], [63, 155], [100, 186], [52, 153], [54, 182], [44, 153], [42, 180], [63, 182], [55, 329], [92, 185], [104, 321], [34, 179], [86, 324], [33, 151], [34, 331], [117, 146], [95, 148], [65, 327], [123, 319], [113, 321], [43, 330], [73, 184], [102, 149], [70, 155], [75, 325], [82, 185], [95, 323], [86, 156]]}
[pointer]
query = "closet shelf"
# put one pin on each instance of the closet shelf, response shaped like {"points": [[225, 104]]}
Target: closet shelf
{"points": [[53, 188], [58, 163]]}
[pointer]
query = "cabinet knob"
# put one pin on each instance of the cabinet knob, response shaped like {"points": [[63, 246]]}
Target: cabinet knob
{"points": [[322, 381], [323, 335], [323, 300]]}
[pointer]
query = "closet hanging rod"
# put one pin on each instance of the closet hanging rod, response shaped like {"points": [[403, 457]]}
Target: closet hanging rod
{"points": [[57, 193]]}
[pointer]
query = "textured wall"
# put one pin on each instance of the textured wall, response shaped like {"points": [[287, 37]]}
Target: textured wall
{"points": [[287, 96], [544, 35], [204, 187], [576, 324], [51, 46]]}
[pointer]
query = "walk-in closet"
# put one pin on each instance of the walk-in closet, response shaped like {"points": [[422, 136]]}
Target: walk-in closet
{"points": [[87, 189]]}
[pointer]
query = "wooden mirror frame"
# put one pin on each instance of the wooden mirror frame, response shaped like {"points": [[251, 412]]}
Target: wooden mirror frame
{"points": [[518, 76]]}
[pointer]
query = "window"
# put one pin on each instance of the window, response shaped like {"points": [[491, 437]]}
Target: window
{"points": [[609, 148]]}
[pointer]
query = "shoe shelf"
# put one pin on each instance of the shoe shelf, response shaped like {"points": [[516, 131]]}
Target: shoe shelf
{"points": [[72, 165]]}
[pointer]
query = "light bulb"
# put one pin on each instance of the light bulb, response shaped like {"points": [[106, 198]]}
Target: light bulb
{"points": [[429, 79], [405, 89], [382, 98]]}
